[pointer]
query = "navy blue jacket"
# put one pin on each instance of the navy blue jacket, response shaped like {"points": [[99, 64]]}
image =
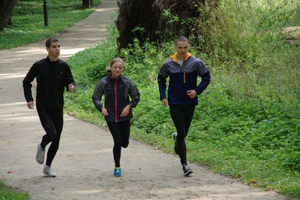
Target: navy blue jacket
{"points": [[116, 92], [182, 79]]}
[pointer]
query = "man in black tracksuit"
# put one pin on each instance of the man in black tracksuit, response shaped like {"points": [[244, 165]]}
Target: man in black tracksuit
{"points": [[53, 76], [182, 69]]}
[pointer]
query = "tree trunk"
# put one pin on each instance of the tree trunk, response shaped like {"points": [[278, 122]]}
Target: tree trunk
{"points": [[6, 11], [136, 19], [87, 4], [159, 20]]}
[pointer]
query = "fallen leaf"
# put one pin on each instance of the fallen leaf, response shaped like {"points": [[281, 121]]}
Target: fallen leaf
{"points": [[252, 180], [9, 172]]}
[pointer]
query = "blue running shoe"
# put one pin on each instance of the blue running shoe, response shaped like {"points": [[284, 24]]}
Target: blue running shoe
{"points": [[117, 172]]}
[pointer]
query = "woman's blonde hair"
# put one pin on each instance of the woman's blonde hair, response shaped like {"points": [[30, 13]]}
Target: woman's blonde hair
{"points": [[113, 61]]}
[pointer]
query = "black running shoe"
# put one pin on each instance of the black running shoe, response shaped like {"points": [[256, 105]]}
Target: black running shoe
{"points": [[186, 170], [175, 141]]}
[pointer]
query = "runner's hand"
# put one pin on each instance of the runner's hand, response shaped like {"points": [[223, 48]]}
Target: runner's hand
{"points": [[71, 88], [104, 112], [125, 111], [191, 93], [164, 102], [30, 105]]}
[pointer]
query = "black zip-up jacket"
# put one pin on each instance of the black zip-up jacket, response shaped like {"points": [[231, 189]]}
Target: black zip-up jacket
{"points": [[52, 78], [116, 92]]}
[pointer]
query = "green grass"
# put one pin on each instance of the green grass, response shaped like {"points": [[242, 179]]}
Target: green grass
{"points": [[244, 133], [28, 21], [247, 123], [28, 26], [8, 193]]}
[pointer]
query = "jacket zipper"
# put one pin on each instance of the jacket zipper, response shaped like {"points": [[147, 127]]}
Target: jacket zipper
{"points": [[183, 73], [116, 101], [179, 65]]}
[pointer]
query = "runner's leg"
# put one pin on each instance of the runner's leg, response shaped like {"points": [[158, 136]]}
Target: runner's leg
{"points": [[116, 134], [177, 114]]}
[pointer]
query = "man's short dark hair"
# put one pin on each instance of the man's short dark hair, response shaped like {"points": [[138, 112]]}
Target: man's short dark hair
{"points": [[50, 40], [181, 39]]}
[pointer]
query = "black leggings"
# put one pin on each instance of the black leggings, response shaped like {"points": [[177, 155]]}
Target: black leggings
{"points": [[52, 122], [182, 117], [120, 132]]}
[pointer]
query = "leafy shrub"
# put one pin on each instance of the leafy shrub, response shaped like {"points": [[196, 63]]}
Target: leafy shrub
{"points": [[247, 122]]}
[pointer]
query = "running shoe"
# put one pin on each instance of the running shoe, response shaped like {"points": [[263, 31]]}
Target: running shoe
{"points": [[40, 154], [175, 141], [186, 170], [48, 171], [117, 172]]}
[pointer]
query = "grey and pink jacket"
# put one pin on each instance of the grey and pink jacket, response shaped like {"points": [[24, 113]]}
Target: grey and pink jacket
{"points": [[117, 93]]}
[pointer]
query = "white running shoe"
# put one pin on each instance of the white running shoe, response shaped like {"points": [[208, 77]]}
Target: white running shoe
{"points": [[40, 154], [48, 171], [186, 170]]}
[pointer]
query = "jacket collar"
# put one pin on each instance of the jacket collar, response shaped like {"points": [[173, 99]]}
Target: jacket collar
{"points": [[174, 57], [120, 77]]}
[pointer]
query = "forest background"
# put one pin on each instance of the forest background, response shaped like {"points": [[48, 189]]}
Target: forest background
{"points": [[246, 125]]}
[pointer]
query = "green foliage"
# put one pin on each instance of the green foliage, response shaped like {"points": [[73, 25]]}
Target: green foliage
{"points": [[174, 22], [295, 18], [243, 30], [88, 67], [6, 193], [246, 125], [28, 26], [28, 21]]}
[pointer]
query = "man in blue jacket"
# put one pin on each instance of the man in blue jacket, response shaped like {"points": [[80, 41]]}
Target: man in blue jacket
{"points": [[182, 69]]}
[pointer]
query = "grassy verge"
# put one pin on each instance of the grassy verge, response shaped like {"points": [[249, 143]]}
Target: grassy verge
{"points": [[28, 21], [8, 193], [250, 139], [28, 26], [246, 125]]}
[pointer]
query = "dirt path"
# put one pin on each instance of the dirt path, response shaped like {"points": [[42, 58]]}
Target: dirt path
{"points": [[84, 162]]}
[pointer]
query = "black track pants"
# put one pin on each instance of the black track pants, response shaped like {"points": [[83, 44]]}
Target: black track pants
{"points": [[52, 122], [120, 132], [182, 117]]}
